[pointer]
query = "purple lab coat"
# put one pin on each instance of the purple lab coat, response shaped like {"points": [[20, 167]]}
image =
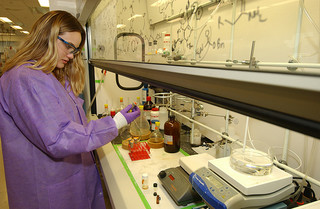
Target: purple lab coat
{"points": [[46, 143]]}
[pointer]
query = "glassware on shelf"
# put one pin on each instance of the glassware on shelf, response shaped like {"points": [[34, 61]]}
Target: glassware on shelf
{"points": [[156, 138], [140, 126]]}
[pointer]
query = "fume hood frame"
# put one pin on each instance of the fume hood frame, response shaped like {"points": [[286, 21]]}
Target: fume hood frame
{"points": [[289, 100]]}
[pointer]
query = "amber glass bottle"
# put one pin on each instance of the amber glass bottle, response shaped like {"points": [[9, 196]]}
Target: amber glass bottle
{"points": [[172, 135]]}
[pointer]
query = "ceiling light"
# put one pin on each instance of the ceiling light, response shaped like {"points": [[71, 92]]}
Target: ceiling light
{"points": [[121, 26], [5, 19], [7, 34], [134, 16], [17, 27], [44, 3], [25, 32]]}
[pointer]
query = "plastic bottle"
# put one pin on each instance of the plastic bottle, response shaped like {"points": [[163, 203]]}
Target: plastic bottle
{"points": [[166, 44], [172, 135], [147, 107], [154, 117], [163, 116]]}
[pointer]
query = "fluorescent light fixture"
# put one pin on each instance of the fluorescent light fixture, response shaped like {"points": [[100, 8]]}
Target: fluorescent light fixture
{"points": [[7, 34], [5, 19], [134, 16], [44, 3], [17, 27], [25, 32], [121, 26]]}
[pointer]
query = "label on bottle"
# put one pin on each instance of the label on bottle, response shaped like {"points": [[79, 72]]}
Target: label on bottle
{"points": [[168, 139]]}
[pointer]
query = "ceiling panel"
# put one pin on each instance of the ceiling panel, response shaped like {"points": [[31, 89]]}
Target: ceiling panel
{"points": [[22, 12]]}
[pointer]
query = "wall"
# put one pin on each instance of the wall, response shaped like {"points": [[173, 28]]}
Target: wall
{"points": [[273, 25]]}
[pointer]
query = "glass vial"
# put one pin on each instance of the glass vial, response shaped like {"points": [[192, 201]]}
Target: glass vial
{"points": [[172, 135], [145, 181]]}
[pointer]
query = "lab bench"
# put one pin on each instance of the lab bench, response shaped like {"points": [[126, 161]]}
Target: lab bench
{"points": [[123, 177]]}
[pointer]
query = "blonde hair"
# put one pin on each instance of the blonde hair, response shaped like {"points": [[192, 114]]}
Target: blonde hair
{"points": [[40, 49]]}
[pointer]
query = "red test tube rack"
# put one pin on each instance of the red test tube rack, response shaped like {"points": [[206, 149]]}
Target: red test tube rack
{"points": [[139, 151]]}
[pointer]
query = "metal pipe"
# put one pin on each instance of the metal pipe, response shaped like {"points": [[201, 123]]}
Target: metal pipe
{"points": [[298, 31], [204, 126], [232, 29], [292, 170], [269, 64], [285, 146]]}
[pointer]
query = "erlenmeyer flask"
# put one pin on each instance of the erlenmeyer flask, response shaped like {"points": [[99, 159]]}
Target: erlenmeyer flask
{"points": [[156, 138], [140, 126]]}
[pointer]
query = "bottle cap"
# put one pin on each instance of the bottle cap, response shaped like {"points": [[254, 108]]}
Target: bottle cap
{"points": [[167, 34], [148, 98], [155, 184], [155, 109], [157, 123], [141, 107], [105, 105]]}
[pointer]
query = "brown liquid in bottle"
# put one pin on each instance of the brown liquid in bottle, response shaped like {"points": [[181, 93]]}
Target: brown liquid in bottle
{"points": [[172, 135]]}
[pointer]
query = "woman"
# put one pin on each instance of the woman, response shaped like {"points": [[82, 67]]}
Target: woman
{"points": [[46, 140]]}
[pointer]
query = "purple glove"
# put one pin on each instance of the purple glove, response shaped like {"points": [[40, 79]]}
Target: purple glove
{"points": [[130, 116], [124, 117]]}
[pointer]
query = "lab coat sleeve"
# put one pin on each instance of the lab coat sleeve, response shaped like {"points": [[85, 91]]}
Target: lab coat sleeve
{"points": [[37, 107]]}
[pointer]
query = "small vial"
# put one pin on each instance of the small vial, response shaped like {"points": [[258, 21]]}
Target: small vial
{"points": [[158, 199], [155, 187], [145, 181]]}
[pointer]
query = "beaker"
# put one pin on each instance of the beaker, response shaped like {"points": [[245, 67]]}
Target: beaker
{"points": [[252, 159]]}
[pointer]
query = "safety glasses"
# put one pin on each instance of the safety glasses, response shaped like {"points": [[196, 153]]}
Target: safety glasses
{"points": [[71, 48]]}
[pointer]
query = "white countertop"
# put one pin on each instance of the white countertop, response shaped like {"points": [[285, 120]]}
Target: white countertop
{"points": [[123, 177]]}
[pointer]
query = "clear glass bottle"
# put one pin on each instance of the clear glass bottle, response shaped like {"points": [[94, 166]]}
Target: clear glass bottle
{"points": [[106, 111], [121, 106], [172, 135], [140, 126]]}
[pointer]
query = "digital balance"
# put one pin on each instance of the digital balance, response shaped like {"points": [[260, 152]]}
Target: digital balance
{"points": [[220, 186]]}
